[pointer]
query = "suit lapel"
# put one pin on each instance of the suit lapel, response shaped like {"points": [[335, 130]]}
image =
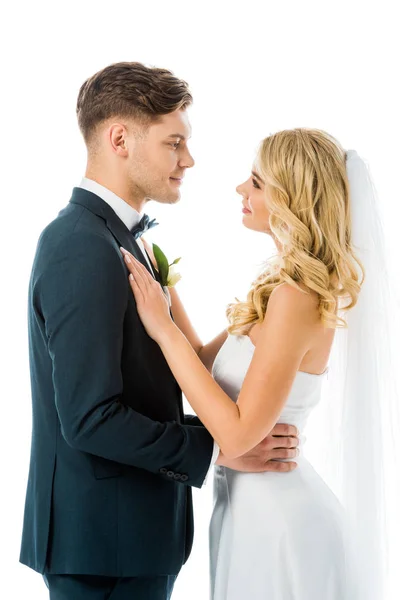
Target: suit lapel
{"points": [[114, 224], [155, 272], [117, 228]]}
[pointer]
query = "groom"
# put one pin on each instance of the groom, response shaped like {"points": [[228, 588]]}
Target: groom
{"points": [[108, 509]]}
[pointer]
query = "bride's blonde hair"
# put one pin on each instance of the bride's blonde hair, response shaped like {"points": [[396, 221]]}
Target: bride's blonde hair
{"points": [[307, 195]]}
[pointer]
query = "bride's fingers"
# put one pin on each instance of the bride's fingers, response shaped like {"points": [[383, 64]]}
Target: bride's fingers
{"points": [[137, 292], [140, 281], [128, 258], [140, 278], [144, 272], [132, 262], [147, 279], [135, 270]]}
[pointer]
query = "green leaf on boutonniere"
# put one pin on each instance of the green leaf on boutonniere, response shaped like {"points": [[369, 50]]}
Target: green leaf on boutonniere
{"points": [[162, 263]]}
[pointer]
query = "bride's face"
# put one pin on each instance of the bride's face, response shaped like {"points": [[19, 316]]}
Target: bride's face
{"points": [[254, 200]]}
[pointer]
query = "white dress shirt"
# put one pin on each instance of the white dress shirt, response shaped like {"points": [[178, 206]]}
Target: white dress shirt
{"points": [[130, 217]]}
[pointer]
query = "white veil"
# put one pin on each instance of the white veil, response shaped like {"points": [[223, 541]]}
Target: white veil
{"points": [[358, 416]]}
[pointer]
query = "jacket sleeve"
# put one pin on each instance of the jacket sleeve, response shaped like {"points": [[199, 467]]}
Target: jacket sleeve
{"points": [[193, 420], [83, 295]]}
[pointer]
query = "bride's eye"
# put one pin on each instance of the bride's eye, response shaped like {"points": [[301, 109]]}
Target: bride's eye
{"points": [[255, 184]]}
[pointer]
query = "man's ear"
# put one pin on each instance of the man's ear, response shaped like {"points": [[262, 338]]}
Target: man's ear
{"points": [[117, 135]]}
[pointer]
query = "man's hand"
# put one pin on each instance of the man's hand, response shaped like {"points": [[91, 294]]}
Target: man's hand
{"points": [[280, 445]]}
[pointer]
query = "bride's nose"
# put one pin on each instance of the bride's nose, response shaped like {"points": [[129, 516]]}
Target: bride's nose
{"points": [[239, 189]]}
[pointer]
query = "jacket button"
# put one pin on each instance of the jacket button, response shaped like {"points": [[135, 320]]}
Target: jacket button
{"points": [[170, 473], [163, 470], [184, 477], [177, 476]]}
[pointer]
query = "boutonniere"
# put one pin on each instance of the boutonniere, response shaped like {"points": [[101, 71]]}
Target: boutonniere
{"points": [[168, 274]]}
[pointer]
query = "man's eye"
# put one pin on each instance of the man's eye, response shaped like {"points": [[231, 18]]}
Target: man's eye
{"points": [[175, 144], [256, 184]]}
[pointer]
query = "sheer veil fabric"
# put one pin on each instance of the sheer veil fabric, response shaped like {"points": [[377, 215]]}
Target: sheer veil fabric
{"points": [[357, 422]]}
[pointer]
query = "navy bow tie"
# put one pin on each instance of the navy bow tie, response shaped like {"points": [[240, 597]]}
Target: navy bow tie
{"points": [[143, 225]]}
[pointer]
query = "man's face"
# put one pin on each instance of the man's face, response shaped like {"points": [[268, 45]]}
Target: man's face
{"points": [[159, 159]]}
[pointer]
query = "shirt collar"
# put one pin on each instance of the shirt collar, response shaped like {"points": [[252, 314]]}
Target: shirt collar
{"points": [[128, 215]]}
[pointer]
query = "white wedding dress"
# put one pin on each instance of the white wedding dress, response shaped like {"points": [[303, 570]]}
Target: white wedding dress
{"points": [[276, 536]]}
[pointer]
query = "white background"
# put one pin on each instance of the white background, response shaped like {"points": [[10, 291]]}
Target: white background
{"points": [[254, 68]]}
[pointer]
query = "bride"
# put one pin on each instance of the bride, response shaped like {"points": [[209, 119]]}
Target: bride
{"points": [[275, 537]]}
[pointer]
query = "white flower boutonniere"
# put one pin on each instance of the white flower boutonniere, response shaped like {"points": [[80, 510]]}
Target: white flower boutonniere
{"points": [[168, 274]]}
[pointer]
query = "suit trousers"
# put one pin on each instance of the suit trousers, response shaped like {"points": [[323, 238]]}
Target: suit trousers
{"points": [[96, 587]]}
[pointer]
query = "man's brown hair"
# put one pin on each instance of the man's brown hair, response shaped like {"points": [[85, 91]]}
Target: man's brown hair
{"points": [[129, 90]]}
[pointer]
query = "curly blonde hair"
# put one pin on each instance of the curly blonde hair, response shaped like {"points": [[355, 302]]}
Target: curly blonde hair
{"points": [[307, 195]]}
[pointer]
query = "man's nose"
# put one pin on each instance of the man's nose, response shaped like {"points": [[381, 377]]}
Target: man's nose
{"points": [[187, 160]]}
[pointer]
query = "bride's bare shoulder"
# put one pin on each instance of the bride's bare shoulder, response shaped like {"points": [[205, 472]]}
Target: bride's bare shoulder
{"points": [[298, 306], [288, 304], [293, 294]]}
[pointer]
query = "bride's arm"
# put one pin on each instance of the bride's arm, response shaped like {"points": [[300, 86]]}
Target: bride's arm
{"points": [[285, 336], [206, 352], [283, 340]]}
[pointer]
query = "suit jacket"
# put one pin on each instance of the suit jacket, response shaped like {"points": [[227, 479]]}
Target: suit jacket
{"points": [[113, 457]]}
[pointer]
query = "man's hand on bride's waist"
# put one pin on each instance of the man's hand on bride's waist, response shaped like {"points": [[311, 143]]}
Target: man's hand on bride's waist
{"points": [[272, 454]]}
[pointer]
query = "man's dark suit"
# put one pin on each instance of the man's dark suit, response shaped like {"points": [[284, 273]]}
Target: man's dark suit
{"points": [[113, 457]]}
